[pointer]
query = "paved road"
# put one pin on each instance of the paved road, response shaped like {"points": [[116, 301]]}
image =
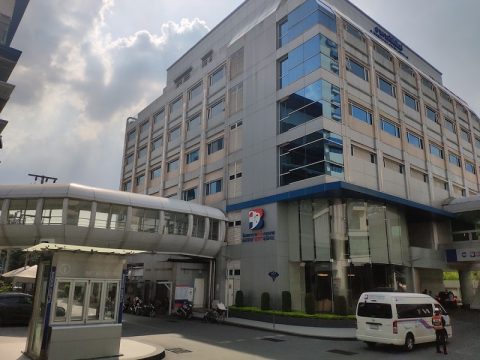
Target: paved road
{"points": [[192, 339]]}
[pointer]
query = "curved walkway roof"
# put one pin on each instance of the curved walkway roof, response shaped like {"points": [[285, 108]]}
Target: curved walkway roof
{"points": [[81, 215]]}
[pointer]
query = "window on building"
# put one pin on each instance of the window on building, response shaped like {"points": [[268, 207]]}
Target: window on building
{"points": [[318, 153], [236, 125], [213, 187], [360, 114], [175, 223], [79, 211], [145, 220], [159, 118], [356, 68], [236, 99], [176, 105], [131, 136], [198, 229], [142, 152], [214, 231], [436, 150], [215, 145], [235, 176], [144, 127], [52, 211], [174, 134], [129, 159], [195, 91], [190, 194], [155, 173], [454, 159], [192, 156], [140, 180], [318, 99], [207, 58], [127, 186], [352, 30], [156, 144], [172, 165], [450, 125], [236, 64], [465, 134], [410, 101], [315, 53], [194, 122], [446, 97], [431, 114], [110, 216], [469, 167], [217, 109], [390, 127], [304, 17], [428, 84], [414, 140], [183, 78], [383, 52], [407, 69], [217, 76], [386, 86], [477, 142]]}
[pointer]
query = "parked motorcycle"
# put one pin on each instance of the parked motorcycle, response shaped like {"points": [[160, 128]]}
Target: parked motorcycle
{"points": [[216, 313], [185, 311]]}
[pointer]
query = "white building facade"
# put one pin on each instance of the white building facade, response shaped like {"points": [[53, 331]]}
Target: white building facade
{"points": [[329, 144]]}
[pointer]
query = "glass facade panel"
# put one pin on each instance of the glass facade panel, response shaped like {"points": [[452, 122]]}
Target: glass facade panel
{"points": [[377, 233], [52, 211], [317, 52], [302, 18], [61, 304], [93, 310], [198, 226], [22, 211], [78, 301], [214, 232], [311, 156], [175, 223], [79, 212], [318, 99], [110, 216], [110, 301]]}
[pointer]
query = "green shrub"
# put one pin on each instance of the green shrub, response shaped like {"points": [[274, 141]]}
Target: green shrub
{"points": [[309, 303], [340, 305], [286, 301], [265, 301], [239, 298]]}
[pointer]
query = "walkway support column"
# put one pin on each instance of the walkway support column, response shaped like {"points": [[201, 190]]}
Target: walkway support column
{"points": [[466, 287]]}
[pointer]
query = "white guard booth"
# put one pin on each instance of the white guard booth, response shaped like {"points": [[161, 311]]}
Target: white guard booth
{"points": [[77, 311]]}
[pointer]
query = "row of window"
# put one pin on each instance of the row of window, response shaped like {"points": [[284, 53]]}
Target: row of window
{"points": [[109, 216], [212, 187]]}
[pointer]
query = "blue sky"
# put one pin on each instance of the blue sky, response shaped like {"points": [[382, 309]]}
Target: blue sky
{"points": [[89, 64]]}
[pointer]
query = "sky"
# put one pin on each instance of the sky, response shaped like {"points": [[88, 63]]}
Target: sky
{"points": [[87, 65]]}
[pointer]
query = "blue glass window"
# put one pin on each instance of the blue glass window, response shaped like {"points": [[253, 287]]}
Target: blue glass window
{"points": [[414, 140], [449, 125], [317, 52], [410, 101], [390, 128], [304, 17], [318, 153], [454, 159], [131, 136], [360, 114], [213, 187], [469, 167], [317, 99], [358, 69], [155, 173], [465, 134], [216, 109], [436, 151], [192, 156], [129, 159], [156, 144], [386, 86], [194, 122], [176, 105], [172, 165], [190, 194], [174, 134], [431, 114], [217, 76], [142, 152], [215, 146], [477, 142], [195, 91], [140, 180], [158, 118]]}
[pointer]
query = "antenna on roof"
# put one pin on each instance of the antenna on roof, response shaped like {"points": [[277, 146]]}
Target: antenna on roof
{"points": [[43, 178]]}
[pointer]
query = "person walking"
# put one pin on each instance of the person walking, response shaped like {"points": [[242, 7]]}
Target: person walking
{"points": [[438, 323]]}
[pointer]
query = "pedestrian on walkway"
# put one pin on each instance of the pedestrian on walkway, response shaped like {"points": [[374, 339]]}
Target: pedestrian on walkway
{"points": [[438, 323]]}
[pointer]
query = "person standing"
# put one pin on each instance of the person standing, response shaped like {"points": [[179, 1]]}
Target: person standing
{"points": [[438, 323]]}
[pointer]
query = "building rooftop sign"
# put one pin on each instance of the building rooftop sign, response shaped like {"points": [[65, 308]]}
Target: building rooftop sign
{"points": [[388, 38]]}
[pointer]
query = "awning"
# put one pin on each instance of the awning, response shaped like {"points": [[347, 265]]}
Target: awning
{"points": [[84, 249], [25, 274]]}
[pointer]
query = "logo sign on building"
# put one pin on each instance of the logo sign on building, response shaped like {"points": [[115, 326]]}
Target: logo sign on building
{"points": [[454, 255], [388, 38], [273, 275], [255, 219]]}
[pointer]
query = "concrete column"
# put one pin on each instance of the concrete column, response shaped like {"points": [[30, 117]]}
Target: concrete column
{"points": [[7, 261], [466, 286]]}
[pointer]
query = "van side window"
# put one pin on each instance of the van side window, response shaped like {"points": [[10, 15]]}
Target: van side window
{"points": [[375, 310], [405, 311]]}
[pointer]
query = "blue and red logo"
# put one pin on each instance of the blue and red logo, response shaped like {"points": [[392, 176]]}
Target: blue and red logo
{"points": [[255, 219]]}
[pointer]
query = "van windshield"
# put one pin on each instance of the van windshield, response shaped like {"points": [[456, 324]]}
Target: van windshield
{"points": [[375, 310]]}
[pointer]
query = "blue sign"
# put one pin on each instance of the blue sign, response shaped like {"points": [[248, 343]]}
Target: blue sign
{"points": [[273, 275], [388, 38]]}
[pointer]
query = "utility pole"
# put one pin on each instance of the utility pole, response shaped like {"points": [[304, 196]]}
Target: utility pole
{"points": [[43, 178]]}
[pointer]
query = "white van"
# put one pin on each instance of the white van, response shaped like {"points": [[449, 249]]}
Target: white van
{"points": [[397, 318]]}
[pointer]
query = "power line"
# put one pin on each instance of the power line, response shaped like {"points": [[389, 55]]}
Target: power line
{"points": [[43, 178]]}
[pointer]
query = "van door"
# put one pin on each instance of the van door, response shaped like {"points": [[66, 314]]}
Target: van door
{"points": [[416, 318], [376, 319]]}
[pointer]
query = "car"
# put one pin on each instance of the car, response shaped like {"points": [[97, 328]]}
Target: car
{"points": [[448, 299], [15, 308]]}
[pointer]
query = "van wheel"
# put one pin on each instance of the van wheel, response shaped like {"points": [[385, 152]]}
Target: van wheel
{"points": [[370, 344], [409, 342]]}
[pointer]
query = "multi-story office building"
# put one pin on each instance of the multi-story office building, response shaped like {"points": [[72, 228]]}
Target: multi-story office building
{"points": [[11, 12], [329, 143]]}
